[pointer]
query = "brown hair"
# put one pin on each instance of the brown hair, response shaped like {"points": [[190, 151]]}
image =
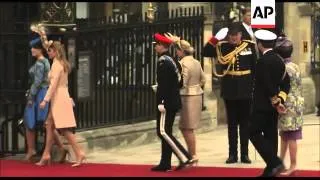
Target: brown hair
{"points": [[61, 55], [245, 10]]}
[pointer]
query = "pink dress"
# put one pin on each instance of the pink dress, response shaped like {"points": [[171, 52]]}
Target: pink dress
{"points": [[61, 107]]}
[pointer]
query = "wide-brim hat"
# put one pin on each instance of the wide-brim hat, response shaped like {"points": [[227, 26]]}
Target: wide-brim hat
{"points": [[159, 38], [283, 46]]}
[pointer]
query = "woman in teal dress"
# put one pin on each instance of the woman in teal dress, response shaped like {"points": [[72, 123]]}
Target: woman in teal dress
{"points": [[33, 114], [290, 124]]}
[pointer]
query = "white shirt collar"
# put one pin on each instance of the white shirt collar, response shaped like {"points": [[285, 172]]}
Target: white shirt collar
{"points": [[248, 28], [267, 51]]}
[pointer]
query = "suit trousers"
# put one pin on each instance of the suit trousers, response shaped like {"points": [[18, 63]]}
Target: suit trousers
{"points": [[263, 128], [238, 113], [169, 144]]}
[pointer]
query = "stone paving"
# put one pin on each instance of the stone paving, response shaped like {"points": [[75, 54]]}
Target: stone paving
{"points": [[212, 150]]}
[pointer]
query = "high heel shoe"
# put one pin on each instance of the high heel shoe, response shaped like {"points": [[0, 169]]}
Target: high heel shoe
{"points": [[79, 162], [194, 161], [44, 162], [288, 172], [63, 157], [29, 158], [183, 165]]}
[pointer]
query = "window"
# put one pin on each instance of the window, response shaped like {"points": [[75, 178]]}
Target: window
{"points": [[82, 9]]}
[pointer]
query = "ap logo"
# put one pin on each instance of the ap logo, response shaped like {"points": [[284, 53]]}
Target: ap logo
{"points": [[263, 14]]}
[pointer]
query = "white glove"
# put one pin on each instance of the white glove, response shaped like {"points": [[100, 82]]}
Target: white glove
{"points": [[154, 88], [161, 108], [222, 33]]}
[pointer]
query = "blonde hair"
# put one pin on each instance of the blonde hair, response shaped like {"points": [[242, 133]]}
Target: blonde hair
{"points": [[185, 46], [61, 55]]}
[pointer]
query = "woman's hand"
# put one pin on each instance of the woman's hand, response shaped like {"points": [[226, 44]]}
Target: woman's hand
{"points": [[43, 104], [281, 109]]}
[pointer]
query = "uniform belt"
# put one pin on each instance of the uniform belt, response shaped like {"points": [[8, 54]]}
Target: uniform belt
{"points": [[239, 73]]}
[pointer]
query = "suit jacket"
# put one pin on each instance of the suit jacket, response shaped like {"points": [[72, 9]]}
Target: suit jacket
{"points": [[193, 76], [58, 95], [236, 87], [245, 33], [168, 83], [269, 81]]}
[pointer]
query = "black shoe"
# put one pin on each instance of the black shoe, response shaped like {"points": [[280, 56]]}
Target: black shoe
{"points": [[232, 159], [161, 168], [277, 170], [183, 165], [245, 159], [272, 172], [265, 172]]}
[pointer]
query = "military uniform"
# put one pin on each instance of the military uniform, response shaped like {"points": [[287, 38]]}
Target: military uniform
{"points": [[236, 89], [168, 94], [272, 84]]}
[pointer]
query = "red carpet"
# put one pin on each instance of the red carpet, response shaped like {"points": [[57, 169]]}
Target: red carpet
{"points": [[13, 168]]}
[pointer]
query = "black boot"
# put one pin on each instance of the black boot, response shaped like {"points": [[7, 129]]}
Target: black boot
{"points": [[232, 159], [245, 159]]}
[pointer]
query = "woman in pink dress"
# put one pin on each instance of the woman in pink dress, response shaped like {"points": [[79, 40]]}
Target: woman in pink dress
{"points": [[61, 115]]}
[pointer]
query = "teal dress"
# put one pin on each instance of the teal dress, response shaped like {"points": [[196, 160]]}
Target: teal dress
{"points": [[38, 80], [290, 124]]}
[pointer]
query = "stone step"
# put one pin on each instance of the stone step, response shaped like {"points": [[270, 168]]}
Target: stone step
{"points": [[130, 135]]}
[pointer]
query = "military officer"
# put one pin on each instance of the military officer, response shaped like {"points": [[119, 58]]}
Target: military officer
{"points": [[168, 102], [237, 58], [272, 85]]}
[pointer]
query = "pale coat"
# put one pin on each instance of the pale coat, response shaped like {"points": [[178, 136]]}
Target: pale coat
{"points": [[193, 76], [61, 107], [191, 92]]}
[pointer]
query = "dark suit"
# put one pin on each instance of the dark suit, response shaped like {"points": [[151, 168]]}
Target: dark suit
{"points": [[269, 82], [236, 90], [168, 93], [245, 33]]}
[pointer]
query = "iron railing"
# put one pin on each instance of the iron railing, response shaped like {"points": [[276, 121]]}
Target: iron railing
{"points": [[124, 65], [123, 70]]}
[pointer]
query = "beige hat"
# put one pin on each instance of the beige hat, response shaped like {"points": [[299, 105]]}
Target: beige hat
{"points": [[185, 46], [181, 44]]}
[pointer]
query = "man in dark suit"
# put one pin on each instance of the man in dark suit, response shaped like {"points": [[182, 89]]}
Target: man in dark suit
{"points": [[247, 31], [272, 85], [237, 58], [168, 102]]}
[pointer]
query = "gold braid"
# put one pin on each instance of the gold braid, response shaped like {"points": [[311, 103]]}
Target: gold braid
{"points": [[229, 59]]}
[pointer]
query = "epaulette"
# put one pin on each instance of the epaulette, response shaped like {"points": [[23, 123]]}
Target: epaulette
{"points": [[249, 41]]}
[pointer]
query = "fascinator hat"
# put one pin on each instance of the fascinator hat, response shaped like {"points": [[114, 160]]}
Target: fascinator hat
{"points": [[180, 43], [283, 46], [40, 37]]}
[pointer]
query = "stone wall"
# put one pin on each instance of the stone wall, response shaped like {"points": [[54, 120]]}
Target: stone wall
{"points": [[298, 28]]}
